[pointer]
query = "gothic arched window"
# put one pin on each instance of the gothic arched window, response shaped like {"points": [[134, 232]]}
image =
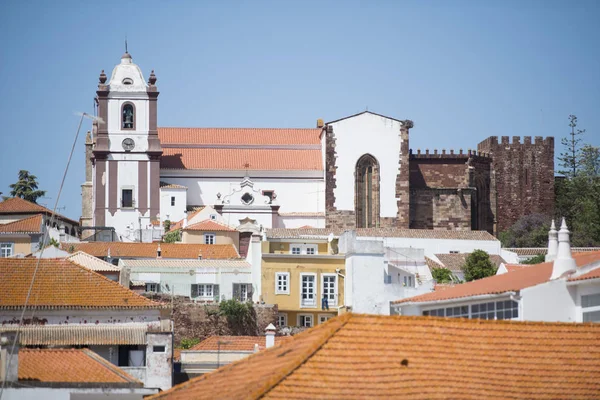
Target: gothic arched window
{"points": [[366, 197], [128, 116]]}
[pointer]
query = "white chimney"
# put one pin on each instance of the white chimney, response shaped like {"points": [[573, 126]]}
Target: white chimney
{"points": [[158, 252], [256, 348], [185, 222], [9, 362], [62, 234], [270, 336], [552, 243], [564, 261]]}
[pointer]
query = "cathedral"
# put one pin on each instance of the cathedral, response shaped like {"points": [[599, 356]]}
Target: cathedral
{"points": [[354, 172]]}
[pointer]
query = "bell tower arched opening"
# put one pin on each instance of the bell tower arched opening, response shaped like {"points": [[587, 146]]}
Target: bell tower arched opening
{"points": [[366, 193]]}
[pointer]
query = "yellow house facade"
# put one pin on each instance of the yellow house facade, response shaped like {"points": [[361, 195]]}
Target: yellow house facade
{"points": [[304, 279]]}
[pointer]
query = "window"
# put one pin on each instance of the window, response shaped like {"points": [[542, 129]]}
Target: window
{"points": [[305, 320], [172, 201], [213, 217], [308, 296], [6, 250], [159, 349], [505, 309], [590, 305], [282, 283], [247, 198], [128, 119], [366, 200], [269, 194], [209, 238], [408, 281], [324, 318], [329, 290], [242, 291], [309, 249], [387, 279], [127, 198], [282, 320], [153, 287], [205, 291]]}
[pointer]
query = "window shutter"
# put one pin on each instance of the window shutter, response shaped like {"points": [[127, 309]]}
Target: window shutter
{"points": [[194, 290], [216, 292], [249, 292]]}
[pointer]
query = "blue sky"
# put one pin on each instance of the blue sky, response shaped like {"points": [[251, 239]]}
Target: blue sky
{"points": [[461, 70]]}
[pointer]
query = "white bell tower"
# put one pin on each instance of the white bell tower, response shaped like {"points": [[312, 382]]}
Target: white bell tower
{"points": [[127, 152]]}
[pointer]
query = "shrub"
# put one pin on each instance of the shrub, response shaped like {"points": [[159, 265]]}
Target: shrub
{"points": [[478, 265]]}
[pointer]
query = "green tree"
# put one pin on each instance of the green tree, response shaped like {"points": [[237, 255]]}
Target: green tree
{"points": [[173, 236], [570, 159], [590, 161], [442, 275], [477, 266], [529, 231], [188, 343], [26, 187], [540, 258]]}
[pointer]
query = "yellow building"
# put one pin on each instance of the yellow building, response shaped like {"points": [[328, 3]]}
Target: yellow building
{"points": [[210, 232], [297, 274]]}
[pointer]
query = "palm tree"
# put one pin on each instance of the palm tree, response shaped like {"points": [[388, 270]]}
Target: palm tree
{"points": [[26, 187]]}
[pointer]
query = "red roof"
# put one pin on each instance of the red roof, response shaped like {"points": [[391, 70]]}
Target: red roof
{"points": [[240, 136], [209, 225], [394, 357], [239, 343], [25, 225], [17, 205], [514, 281], [69, 365], [149, 250], [234, 148]]}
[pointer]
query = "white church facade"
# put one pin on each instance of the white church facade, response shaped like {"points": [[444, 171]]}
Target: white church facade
{"points": [[139, 175]]}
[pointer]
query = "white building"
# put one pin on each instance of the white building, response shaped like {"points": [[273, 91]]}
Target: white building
{"points": [[566, 288], [203, 280]]}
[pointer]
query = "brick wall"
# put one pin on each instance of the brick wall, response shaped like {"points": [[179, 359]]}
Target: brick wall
{"points": [[440, 209], [523, 174]]}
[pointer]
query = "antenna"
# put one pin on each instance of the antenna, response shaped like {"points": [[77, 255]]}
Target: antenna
{"points": [[126, 44]]}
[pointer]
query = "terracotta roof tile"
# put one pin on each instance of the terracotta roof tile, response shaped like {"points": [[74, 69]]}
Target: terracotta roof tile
{"points": [[209, 225], [455, 261], [237, 343], [502, 283], [285, 233], [515, 267], [81, 334], [166, 185], [368, 356], [240, 136], [191, 214], [69, 365], [235, 159], [62, 284], [148, 250], [534, 251], [17, 205], [25, 225]]}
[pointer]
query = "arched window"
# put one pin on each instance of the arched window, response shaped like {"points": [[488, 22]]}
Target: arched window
{"points": [[128, 116], [366, 197]]}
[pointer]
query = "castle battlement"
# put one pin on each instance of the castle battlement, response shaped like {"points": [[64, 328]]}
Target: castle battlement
{"points": [[493, 141], [450, 154]]}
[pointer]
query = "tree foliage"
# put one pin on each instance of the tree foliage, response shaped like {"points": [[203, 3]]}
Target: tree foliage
{"points": [[478, 265], [240, 316], [442, 275], [570, 159], [188, 343], [529, 231], [173, 236], [540, 258], [26, 187]]}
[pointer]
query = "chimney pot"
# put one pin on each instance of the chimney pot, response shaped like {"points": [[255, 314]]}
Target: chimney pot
{"points": [[564, 261], [320, 123], [270, 336]]}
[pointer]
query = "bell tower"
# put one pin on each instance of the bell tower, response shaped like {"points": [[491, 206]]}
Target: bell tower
{"points": [[126, 152]]}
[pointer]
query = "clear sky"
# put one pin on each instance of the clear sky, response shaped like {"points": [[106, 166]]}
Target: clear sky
{"points": [[461, 70]]}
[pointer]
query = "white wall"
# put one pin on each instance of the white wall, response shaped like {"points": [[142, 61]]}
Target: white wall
{"points": [[172, 213], [76, 394], [551, 301], [367, 134], [72, 317], [441, 246]]}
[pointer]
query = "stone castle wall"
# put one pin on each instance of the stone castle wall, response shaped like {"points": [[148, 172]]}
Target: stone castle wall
{"points": [[524, 177]]}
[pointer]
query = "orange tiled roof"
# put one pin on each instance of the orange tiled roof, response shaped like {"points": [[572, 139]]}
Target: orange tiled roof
{"points": [[516, 280], [62, 284], [368, 356], [240, 136], [593, 274], [236, 159], [69, 365], [232, 148], [26, 225], [179, 224], [237, 343], [455, 261], [534, 251], [515, 267], [17, 205], [209, 225], [148, 250]]}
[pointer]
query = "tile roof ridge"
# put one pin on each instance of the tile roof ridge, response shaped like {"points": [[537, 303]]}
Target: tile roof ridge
{"points": [[239, 127], [302, 358], [111, 367], [4, 227]]}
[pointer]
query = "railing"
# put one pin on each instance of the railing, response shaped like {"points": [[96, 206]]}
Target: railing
{"points": [[309, 302]]}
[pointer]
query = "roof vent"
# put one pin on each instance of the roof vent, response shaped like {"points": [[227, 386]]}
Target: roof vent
{"points": [[564, 261], [158, 252], [127, 81]]}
